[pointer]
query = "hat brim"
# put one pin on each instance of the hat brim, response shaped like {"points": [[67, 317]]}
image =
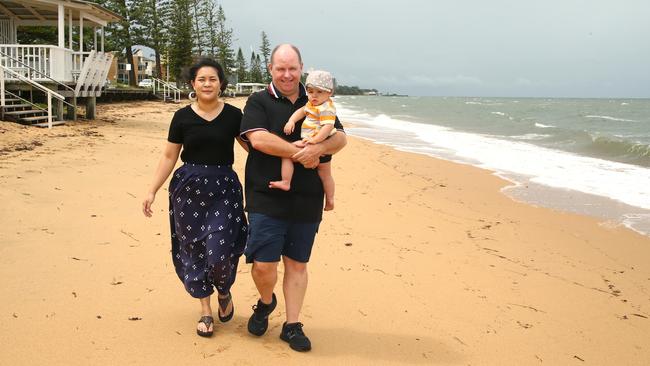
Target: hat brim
{"points": [[329, 90]]}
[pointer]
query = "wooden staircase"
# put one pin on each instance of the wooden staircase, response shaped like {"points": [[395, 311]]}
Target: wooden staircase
{"points": [[17, 75], [23, 112]]}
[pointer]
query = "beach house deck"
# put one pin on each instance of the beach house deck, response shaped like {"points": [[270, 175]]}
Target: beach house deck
{"points": [[248, 88], [63, 71]]}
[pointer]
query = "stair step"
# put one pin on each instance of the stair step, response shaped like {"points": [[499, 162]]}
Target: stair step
{"points": [[12, 100], [36, 118], [30, 111], [44, 124], [17, 105]]}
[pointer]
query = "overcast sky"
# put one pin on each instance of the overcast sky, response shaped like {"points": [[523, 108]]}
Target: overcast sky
{"points": [[561, 48]]}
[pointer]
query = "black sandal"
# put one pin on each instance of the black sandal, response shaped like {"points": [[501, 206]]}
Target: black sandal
{"points": [[223, 304], [208, 321]]}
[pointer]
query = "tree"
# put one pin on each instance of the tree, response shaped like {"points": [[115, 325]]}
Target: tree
{"points": [[210, 34], [37, 35], [265, 50], [153, 21], [225, 54], [255, 75], [120, 33], [180, 47], [240, 64], [198, 14]]}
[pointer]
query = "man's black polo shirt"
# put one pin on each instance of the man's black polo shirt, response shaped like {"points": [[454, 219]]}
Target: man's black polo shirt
{"points": [[268, 110]]}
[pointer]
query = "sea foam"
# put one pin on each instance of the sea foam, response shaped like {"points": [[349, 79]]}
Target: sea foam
{"points": [[619, 181], [612, 118]]}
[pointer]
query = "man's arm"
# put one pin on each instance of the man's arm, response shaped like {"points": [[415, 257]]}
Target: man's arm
{"points": [[242, 143], [309, 155], [271, 144]]}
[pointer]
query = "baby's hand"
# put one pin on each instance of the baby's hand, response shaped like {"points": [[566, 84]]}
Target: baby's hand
{"points": [[288, 128]]}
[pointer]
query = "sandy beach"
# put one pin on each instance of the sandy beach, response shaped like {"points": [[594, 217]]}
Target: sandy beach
{"points": [[423, 261]]}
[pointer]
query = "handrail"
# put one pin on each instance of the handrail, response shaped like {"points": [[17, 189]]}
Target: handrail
{"points": [[26, 101], [167, 89], [33, 83], [49, 92], [39, 72]]}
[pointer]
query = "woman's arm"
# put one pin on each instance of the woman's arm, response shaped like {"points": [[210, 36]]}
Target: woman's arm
{"points": [[165, 167]]}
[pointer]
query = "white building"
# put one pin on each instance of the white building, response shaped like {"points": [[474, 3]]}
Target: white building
{"points": [[67, 72]]}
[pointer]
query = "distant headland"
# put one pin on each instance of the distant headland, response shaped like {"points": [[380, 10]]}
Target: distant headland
{"points": [[355, 90]]}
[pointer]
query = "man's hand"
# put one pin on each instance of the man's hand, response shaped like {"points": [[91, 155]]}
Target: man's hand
{"points": [[309, 156]]}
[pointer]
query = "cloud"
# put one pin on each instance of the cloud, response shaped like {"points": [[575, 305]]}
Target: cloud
{"points": [[438, 81], [523, 82]]}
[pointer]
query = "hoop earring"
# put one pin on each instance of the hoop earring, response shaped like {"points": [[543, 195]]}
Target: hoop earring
{"points": [[192, 96], [220, 93]]}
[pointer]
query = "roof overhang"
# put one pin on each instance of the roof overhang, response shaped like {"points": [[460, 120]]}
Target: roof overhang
{"points": [[45, 12]]}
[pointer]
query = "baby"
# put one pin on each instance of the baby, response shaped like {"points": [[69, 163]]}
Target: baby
{"points": [[319, 114]]}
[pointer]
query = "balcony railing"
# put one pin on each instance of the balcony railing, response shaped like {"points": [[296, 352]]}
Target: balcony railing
{"points": [[52, 61]]}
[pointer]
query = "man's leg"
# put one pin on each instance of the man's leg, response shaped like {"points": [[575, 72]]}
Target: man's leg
{"points": [[294, 287], [296, 255], [265, 241], [265, 276]]}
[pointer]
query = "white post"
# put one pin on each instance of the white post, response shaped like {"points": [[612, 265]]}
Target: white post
{"points": [[61, 26], [49, 110], [81, 36], [102, 39], [70, 29], [95, 38], [2, 87]]}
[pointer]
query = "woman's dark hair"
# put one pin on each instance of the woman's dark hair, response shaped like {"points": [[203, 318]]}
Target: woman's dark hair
{"points": [[208, 62]]}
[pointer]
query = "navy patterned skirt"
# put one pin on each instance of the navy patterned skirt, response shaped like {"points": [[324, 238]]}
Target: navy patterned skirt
{"points": [[208, 227]]}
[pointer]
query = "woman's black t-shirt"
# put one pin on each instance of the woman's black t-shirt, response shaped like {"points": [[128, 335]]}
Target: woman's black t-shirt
{"points": [[206, 142]]}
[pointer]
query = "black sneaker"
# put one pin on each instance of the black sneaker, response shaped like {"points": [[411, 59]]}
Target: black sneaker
{"points": [[259, 321], [293, 334]]}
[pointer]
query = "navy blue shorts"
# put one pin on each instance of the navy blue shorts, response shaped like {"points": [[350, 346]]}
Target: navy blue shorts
{"points": [[270, 238]]}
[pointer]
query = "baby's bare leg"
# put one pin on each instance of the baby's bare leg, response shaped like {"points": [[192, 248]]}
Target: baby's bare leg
{"points": [[287, 174], [325, 174]]}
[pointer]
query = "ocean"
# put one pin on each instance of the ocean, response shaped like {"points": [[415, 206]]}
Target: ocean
{"points": [[588, 156]]}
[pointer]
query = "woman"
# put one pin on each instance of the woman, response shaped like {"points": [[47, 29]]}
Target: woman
{"points": [[208, 226]]}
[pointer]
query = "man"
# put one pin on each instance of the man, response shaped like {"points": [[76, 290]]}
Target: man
{"points": [[282, 224]]}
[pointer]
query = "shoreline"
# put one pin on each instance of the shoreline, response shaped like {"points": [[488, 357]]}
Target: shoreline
{"points": [[521, 188], [422, 261], [609, 211]]}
